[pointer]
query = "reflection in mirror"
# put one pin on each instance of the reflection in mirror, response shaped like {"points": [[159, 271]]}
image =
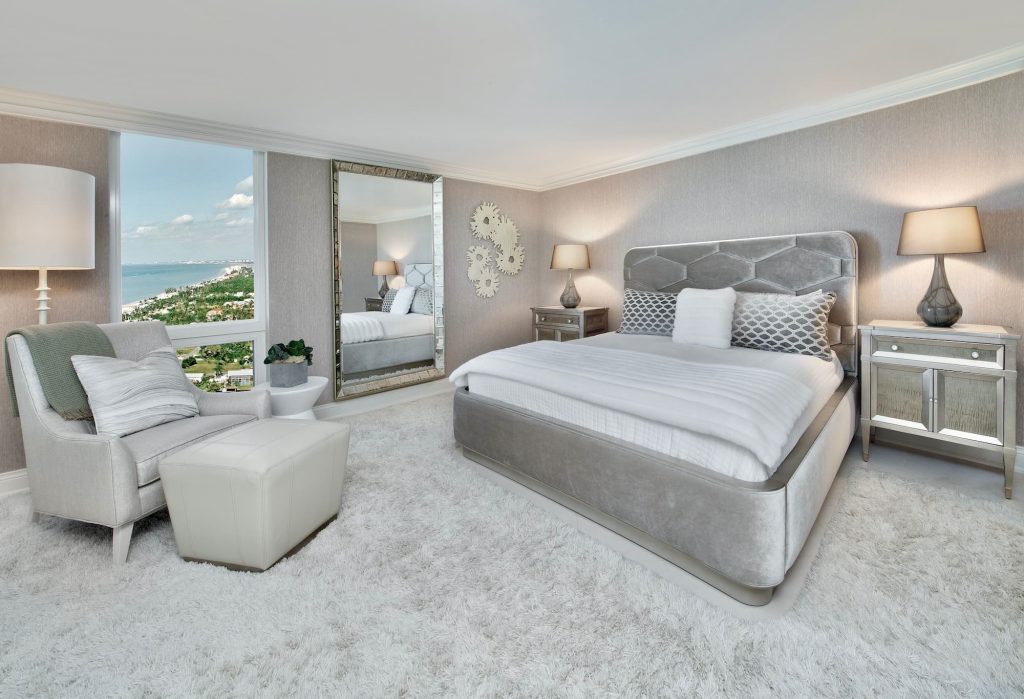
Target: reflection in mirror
{"points": [[389, 293]]}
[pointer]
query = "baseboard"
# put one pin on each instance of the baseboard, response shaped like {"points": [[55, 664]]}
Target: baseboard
{"points": [[385, 399], [13, 482]]}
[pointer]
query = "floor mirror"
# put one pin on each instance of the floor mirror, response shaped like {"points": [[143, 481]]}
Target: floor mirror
{"points": [[388, 278]]}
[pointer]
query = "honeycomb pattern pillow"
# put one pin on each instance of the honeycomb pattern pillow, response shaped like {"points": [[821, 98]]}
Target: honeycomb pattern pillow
{"points": [[389, 300], [783, 323], [648, 313], [423, 301]]}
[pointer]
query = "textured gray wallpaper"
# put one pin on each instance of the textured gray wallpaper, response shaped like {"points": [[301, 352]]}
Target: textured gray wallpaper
{"points": [[474, 325], [359, 250], [859, 175], [82, 295], [300, 257]]}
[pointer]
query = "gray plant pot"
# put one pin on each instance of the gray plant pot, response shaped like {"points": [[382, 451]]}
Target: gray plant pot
{"points": [[287, 374]]}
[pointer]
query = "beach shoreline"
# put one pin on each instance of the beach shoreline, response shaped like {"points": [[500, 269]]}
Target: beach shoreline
{"points": [[228, 272]]}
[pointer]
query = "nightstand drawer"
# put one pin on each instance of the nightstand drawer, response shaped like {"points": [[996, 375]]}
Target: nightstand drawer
{"points": [[967, 354], [555, 318]]}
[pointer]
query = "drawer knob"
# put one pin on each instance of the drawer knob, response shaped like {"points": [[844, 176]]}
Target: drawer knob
{"points": [[975, 355], [895, 348]]}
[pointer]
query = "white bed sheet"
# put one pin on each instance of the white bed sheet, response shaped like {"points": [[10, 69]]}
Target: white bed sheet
{"points": [[703, 450], [392, 325]]}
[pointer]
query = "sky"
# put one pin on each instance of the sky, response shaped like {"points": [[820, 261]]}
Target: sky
{"points": [[184, 201]]}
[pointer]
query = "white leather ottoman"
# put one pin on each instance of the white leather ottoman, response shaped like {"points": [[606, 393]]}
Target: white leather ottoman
{"points": [[246, 497]]}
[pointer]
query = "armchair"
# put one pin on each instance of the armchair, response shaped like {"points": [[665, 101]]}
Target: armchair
{"points": [[111, 481]]}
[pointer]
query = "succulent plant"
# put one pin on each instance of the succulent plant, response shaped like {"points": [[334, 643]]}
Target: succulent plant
{"points": [[294, 352]]}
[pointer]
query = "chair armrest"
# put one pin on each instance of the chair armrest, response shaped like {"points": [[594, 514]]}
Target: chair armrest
{"points": [[240, 403], [87, 477]]}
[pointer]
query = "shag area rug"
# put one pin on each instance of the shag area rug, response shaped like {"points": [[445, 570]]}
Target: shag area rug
{"points": [[435, 581]]}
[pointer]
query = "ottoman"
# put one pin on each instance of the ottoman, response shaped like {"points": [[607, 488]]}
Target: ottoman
{"points": [[246, 497]]}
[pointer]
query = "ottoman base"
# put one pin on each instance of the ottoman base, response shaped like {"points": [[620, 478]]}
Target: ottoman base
{"points": [[249, 496], [251, 569]]}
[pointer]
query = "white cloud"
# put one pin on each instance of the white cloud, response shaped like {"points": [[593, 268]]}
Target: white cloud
{"points": [[245, 186], [239, 222], [221, 216], [183, 219], [142, 230], [236, 201]]}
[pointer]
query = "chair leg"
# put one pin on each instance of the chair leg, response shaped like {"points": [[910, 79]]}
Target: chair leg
{"points": [[122, 539], [33, 516]]}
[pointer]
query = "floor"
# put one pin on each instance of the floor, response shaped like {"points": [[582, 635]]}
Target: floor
{"points": [[441, 578]]}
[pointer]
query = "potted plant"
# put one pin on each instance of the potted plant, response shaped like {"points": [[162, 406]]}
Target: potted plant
{"points": [[288, 365]]}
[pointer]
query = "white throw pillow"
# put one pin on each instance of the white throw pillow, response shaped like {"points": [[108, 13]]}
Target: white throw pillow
{"points": [[704, 317], [403, 300], [127, 396]]}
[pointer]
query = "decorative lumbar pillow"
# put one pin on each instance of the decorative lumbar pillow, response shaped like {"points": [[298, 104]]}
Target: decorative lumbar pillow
{"points": [[403, 300], [784, 323], [127, 396], [423, 301], [648, 313], [389, 299], [704, 317]]}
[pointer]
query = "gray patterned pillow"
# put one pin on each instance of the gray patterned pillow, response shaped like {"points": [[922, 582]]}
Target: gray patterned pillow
{"points": [[648, 313], [127, 396], [423, 301], [389, 299], [783, 323]]}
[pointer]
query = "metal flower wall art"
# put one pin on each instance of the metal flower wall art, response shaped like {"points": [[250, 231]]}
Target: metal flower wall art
{"points": [[489, 225]]}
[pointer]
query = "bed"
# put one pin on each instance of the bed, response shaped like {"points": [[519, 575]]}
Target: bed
{"points": [[373, 340], [733, 507]]}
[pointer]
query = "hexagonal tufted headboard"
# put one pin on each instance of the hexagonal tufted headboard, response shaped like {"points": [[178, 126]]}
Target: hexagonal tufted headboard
{"points": [[789, 264]]}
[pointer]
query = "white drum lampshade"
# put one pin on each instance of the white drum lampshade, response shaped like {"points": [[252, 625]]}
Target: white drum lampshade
{"points": [[47, 221]]}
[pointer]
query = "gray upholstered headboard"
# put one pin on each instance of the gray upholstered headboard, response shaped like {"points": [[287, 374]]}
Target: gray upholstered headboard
{"points": [[788, 264], [419, 274]]}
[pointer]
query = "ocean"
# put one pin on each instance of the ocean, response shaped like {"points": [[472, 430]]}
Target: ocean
{"points": [[143, 281]]}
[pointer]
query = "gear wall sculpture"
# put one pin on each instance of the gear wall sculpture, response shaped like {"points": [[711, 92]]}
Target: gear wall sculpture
{"points": [[488, 224]]}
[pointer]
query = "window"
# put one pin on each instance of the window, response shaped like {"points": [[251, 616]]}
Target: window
{"points": [[191, 250], [226, 367]]}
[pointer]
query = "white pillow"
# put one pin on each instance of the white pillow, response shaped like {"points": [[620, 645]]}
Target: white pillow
{"points": [[403, 300], [127, 396], [704, 317]]}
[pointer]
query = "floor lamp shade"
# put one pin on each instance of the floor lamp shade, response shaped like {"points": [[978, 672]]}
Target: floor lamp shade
{"points": [[47, 221]]}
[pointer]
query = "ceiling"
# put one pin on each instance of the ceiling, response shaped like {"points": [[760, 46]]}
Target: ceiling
{"points": [[370, 199], [531, 92]]}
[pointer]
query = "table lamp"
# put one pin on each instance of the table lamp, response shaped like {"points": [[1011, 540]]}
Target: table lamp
{"points": [[570, 257], [47, 222], [940, 232], [382, 268]]}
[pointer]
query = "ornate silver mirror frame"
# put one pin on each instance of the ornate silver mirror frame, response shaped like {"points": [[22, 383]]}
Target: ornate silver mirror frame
{"points": [[352, 390]]}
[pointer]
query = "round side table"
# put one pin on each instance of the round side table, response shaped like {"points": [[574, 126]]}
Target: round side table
{"points": [[295, 402]]}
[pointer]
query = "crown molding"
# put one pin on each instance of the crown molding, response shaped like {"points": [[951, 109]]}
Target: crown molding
{"points": [[106, 116], [402, 215], [953, 77], [963, 74]]}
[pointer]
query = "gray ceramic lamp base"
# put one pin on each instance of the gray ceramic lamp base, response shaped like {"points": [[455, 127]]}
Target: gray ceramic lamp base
{"points": [[939, 307], [570, 297]]}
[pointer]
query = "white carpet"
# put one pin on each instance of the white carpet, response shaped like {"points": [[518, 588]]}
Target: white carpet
{"points": [[436, 581]]}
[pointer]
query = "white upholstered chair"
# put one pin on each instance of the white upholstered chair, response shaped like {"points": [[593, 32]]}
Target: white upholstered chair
{"points": [[112, 481]]}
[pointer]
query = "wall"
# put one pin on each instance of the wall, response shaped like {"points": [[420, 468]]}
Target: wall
{"points": [[859, 174], [79, 295], [359, 250], [300, 259], [408, 241], [474, 325]]}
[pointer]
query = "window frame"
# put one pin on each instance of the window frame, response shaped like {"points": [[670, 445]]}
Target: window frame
{"points": [[219, 332]]}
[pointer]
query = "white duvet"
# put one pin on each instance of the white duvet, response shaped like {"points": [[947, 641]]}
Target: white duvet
{"points": [[735, 411], [376, 325]]}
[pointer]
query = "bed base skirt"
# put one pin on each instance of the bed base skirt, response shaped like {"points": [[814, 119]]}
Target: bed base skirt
{"points": [[737, 536], [380, 354]]}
